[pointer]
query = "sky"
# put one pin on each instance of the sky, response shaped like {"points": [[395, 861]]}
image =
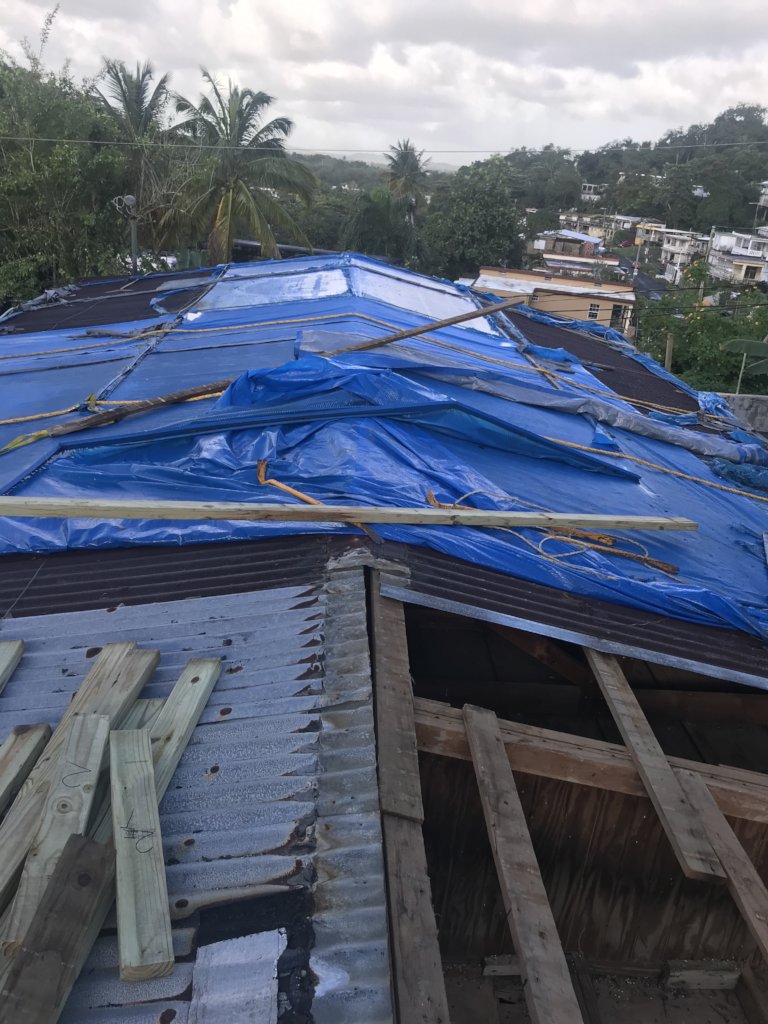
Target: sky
{"points": [[454, 76]]}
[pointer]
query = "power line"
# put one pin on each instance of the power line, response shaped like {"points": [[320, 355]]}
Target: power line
{"points": [[315, 152]]}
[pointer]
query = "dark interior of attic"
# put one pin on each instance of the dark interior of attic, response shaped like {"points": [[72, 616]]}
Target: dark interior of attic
{"points": [[642, 942]]}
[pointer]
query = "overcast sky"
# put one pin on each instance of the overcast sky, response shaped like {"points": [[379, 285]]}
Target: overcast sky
{"points": [[449, 74]]}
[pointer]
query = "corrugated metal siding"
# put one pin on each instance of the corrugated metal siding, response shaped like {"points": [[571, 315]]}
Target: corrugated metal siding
{"points": [[277, 785]]}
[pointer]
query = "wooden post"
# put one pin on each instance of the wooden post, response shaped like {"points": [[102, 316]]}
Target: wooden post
{"points": [[678, 818], [10, 656], [143, 919], [548, 989], [419, 985]]}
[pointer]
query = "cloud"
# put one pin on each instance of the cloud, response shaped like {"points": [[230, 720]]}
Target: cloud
{"points": [[484, 74]]}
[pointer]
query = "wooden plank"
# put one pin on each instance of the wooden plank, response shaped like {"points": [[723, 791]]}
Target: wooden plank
{"points": [[42, 974], [752, 993], [542, 649], [18, 754], [742, 878], [398, 758], [700, 975], [143, 920], [549, 992], [95, 508], [85, 916], [583, 761], [501, 966], [678, 818], [10, 656], [419, 985], [66, 810], [110, 688], [143, 713]]}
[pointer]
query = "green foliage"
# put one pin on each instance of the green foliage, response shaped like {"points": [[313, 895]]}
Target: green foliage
{"points": [[475, 220], [378, 227]]}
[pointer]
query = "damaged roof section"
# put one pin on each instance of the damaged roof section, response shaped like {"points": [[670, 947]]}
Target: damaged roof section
{"points": [[477, 415]]}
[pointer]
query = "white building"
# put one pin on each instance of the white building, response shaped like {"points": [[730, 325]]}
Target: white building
{"points": [[590, 192], [739, 256], [679, 249]]}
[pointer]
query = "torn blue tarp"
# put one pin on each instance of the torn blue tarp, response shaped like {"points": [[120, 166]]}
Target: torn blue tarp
{"points": [[462, 415]]}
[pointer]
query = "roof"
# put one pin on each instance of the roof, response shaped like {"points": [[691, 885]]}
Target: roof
{"points": [[500, 412], [528, 282]]}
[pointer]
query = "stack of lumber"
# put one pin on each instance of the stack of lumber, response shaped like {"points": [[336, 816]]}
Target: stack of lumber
{"points": [[81, 828]]}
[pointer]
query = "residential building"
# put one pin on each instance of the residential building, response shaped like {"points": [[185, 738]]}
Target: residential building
{"points": [[739, 256], [573, 252], [590, 193], [609, 303], [679, 249], [453, 708], [649, 232], [603, 226]]}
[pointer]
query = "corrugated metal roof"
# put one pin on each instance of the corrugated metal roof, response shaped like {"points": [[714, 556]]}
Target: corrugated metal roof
{"points": [[277, 786]]}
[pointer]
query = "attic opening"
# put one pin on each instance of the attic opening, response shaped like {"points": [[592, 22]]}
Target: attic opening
{"points": [[640, 939]]}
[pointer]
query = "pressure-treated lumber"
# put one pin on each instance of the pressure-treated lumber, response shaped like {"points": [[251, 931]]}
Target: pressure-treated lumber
{"points": [[584, 761], [143, 920], [548, 989], [678, 818], [10, 656], [110, 688], [18, 754], [94, 508], [181, 712], [65, 812], [744, 883], [43, 972], [419, 985]]}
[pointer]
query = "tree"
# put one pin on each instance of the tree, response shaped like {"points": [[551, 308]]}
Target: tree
{"points": [[238, 186], [749, 347], [406, 175], [377, 227], [474, 220], [136, 107]]}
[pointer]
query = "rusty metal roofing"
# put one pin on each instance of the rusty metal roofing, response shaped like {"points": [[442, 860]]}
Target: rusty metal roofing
{"points": [[277, 787]]}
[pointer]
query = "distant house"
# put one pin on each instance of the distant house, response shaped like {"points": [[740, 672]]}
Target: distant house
{"points": [[600, 225], [573, 252], [679, 249], [739, 256], [610, 303], [590, 192], [649, 231]]}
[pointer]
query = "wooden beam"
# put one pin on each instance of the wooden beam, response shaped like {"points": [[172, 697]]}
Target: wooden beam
{"points": [[583, 761], [700, 975], [43, 972], [678, 818], [67, 806], [743, 881], [542, 649], [419, 985], [95, 508], [112, 685], [10, 656], [18, 754], [85, 915], [547, 985], [143, 920], [752, 993]]}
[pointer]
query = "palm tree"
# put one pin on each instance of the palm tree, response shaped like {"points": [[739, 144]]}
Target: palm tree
{"points": [[749, 347], [239, 187], [135, 105], [406, 175]]}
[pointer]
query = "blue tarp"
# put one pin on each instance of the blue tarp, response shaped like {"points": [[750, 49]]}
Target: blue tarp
{"points": [[462, 415]]}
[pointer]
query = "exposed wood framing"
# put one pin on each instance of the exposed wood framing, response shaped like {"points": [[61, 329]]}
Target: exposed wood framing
{"points": [[66, 810], [18, 754], [548, 989], [542, 649], [587, 762], [752, 993], [419, 985], [743, 881], [143, 920], [678, 818], [110, 688], [42, 974], [94, 508], [10, 656]]}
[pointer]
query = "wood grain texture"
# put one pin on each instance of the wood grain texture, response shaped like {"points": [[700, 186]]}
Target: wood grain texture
{"points": [[112, 685], [143, 920], [585, 761], [678, 818], [10, 656], [18, 755], [94, 508], [549, 992], [65, 812], [742, 878], [47, 964]]}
